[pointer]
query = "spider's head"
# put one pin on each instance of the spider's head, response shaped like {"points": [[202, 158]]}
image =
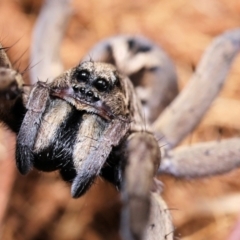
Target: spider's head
{"points": [[93, 81], [93, 87]]}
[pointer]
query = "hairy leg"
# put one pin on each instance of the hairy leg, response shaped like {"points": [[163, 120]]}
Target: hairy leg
{"points": [[141, 163], [12, 108]]}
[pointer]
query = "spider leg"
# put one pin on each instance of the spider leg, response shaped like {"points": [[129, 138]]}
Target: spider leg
{"points": [[12, 107], [36, 106], [142, 160], [191, 104]]}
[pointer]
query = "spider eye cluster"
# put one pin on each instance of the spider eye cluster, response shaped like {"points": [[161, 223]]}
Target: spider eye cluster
{"points": [[101, 84], [82, 76]]}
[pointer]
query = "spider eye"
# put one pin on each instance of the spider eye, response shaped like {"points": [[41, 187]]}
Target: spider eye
{"points": [[82, 75], [101, 84]]}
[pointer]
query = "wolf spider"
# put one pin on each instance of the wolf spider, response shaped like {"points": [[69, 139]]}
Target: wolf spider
{"points": [[90, 121]]}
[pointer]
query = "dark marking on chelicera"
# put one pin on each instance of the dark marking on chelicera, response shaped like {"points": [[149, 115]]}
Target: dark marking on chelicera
{"points": [[58, 155]]}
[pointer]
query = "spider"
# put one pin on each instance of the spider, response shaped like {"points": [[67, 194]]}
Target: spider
{"points": [[88, 122]]}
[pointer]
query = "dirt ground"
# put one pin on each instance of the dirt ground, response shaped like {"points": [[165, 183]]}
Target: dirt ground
{"points": [[40, 206]]}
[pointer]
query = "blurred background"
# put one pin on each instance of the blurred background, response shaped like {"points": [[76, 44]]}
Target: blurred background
{"points": [[38, 206]]}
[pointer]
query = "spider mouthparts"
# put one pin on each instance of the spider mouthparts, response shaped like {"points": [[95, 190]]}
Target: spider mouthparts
{"points": [[81, 184], [104, 110], [62, 92], [24, 159]]}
